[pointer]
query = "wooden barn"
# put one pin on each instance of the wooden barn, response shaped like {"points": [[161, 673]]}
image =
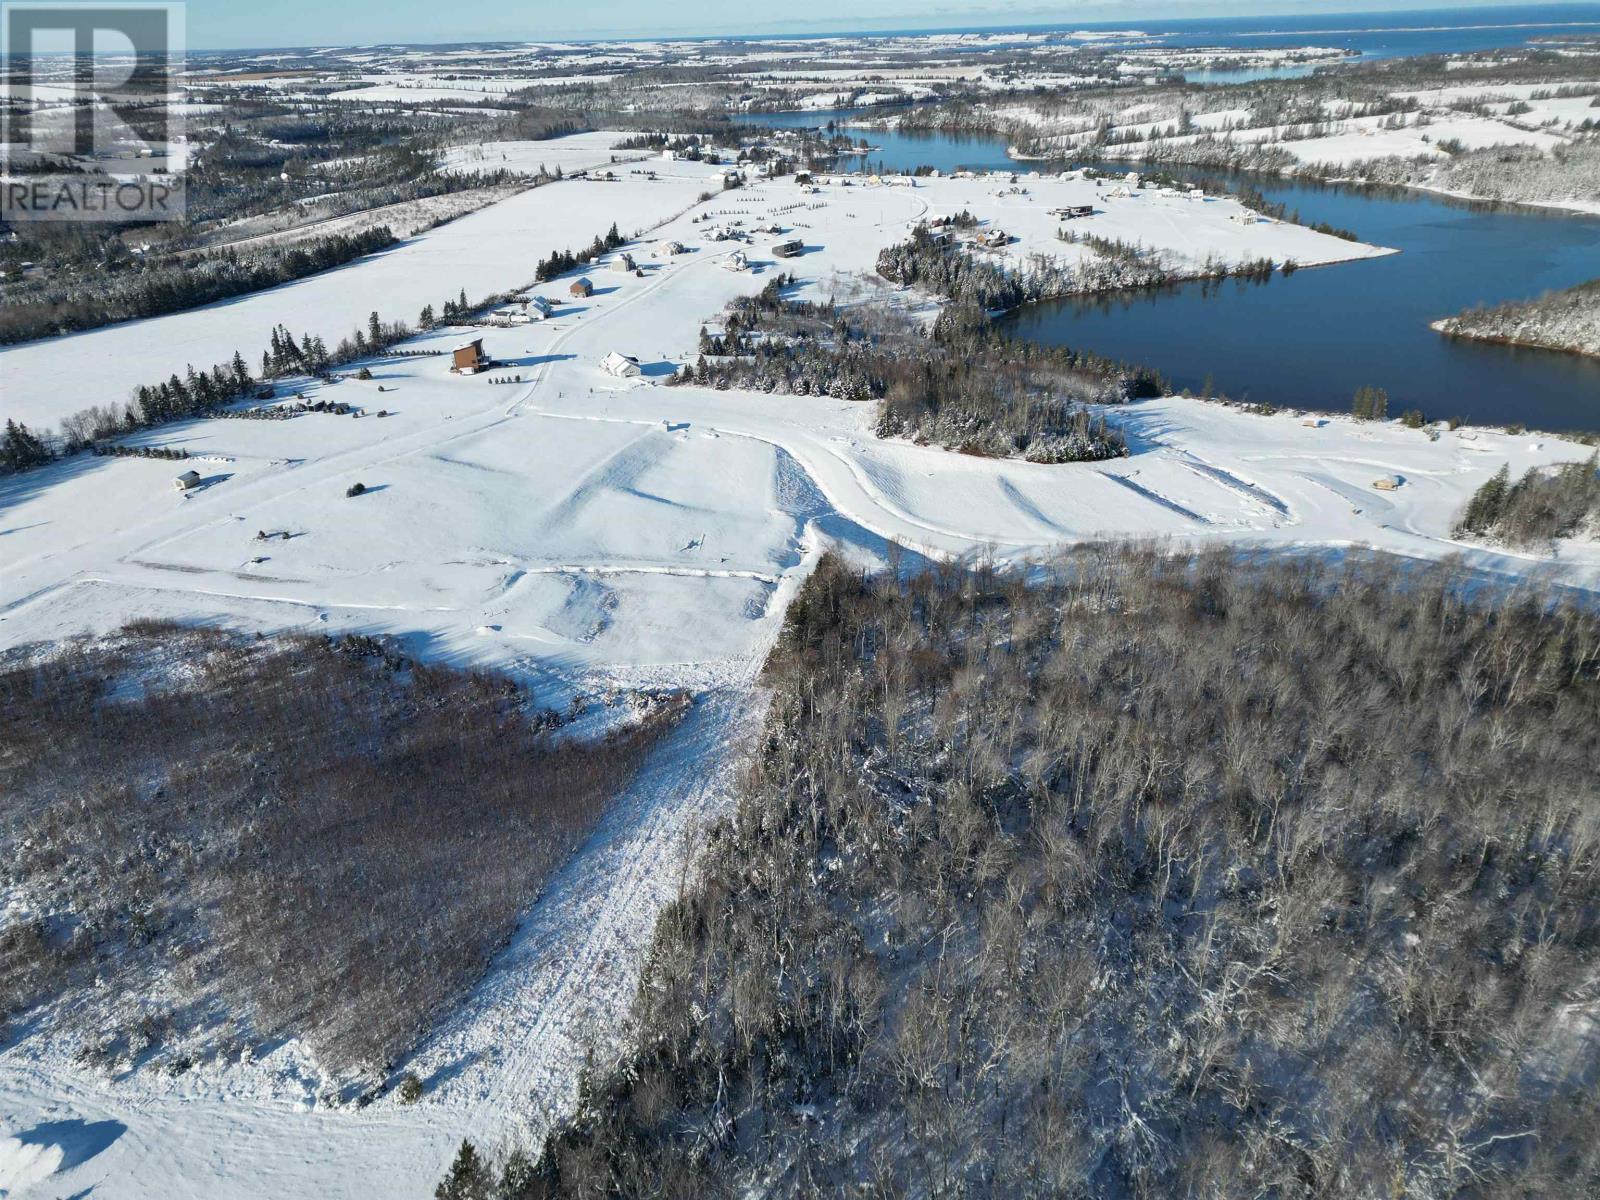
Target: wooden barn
{"points": [[581, 288]]}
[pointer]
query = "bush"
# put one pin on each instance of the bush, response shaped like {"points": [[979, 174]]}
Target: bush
{"points": [[410, 1089], [364, 373], [355, 489]]}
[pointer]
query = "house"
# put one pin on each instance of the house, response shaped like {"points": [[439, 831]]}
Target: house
{"points": [[623, 366], [1244, 218], [581, 288], [540, 309], [737, 261], [670, 248], [1073, 210], [189, 479], [468, 358], [792, 248], [624, 262], [994, 238], [1197, 193]]}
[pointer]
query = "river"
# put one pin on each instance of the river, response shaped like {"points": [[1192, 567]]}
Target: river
{"points": [[1311, 339]]}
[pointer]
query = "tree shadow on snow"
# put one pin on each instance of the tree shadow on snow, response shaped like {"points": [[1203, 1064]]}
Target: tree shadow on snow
{"points": [[79, 1141]]}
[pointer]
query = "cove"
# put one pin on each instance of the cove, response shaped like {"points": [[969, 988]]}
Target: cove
{"points": [[1309, 340]]}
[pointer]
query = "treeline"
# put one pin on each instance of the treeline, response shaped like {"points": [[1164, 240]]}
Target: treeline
{"points": [[1564, 320], [562, 261], [1545, 504], [301, 837], [1201, 876], [960, 385], [925, 260], [180, 285]]}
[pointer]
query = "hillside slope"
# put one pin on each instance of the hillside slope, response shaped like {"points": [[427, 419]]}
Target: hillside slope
{"points": [[1165, 877]]}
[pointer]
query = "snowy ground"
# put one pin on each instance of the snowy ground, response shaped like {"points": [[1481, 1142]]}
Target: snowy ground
{"points": [[577, 528]]}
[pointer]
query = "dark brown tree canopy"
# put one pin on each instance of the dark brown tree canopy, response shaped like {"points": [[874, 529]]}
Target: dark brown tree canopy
{"points": [[1146, 877]]}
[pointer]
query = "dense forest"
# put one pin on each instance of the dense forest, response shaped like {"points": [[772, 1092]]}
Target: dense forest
{"points": [[1564, 320], [294, 836], [959, 384], [1136, 875]]}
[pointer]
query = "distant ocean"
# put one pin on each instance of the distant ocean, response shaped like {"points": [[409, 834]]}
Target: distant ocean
{"points": [[1375, 35]]}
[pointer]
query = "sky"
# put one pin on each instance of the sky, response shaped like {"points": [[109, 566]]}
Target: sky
{"points": [[236, 24]]}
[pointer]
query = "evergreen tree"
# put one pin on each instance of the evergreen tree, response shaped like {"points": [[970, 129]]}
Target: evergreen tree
{"points": [[469, 1177], [20, 449], [1487, 503]]}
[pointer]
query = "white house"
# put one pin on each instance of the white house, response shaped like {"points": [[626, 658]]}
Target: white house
{"points": [[540, 309], [623, 366], [737, 261]]}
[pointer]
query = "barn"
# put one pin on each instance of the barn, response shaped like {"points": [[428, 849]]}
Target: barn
{"points": [[189, 479], [581, 288]]}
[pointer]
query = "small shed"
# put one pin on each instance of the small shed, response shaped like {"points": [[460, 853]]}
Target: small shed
{"points": [[189, 479], [624, 263], [623, 366], [581, 288], [1386, 483], [468, 357]]}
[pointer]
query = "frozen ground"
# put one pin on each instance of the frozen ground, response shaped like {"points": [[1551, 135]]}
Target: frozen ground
{"points": [[578, 529]]}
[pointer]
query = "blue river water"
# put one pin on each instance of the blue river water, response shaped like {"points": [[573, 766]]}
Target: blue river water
{"points": [[1309, 340]]}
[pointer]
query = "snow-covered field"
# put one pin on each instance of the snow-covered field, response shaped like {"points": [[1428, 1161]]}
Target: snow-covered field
{"points": [[578, 528]]}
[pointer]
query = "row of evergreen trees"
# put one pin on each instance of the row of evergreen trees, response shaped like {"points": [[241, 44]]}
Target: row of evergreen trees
{"points": [[562, 261], [182, 284], [196, 393]]}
